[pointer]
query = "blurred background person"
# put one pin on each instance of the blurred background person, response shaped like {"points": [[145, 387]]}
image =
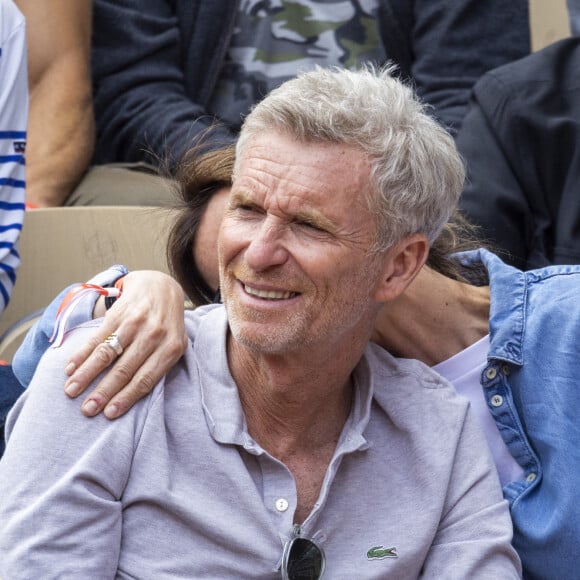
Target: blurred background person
{"points": [[61, 124], [165, 71], [13, 120], [521, 143]]}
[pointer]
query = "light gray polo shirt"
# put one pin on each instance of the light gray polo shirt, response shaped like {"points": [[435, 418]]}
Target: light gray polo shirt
{"points": [[178, 489]]}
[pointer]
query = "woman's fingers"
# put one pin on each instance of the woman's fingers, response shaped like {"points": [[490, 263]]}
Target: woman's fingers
{"points": [[132, 377], [141, 338]]}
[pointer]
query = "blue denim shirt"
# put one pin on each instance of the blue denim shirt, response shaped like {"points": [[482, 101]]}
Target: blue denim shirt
{"points": [[532, 387]]}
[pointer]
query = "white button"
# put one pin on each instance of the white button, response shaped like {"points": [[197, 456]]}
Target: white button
{"points": [[506, 370], [281, 504], [497, 400], [491, 373], [531, 477]]}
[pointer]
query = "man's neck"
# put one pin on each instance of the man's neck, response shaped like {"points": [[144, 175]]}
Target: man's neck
{"points": [[293, 402], [434, 319]]}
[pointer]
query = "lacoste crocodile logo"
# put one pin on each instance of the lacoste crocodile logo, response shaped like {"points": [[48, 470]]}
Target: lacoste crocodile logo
{"points": [[380, 552]]}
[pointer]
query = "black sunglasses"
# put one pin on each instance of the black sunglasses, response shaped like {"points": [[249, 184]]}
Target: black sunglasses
{"points": [[302, 560]]}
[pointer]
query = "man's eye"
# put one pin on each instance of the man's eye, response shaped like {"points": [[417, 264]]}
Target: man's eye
{"points": [[312, 226], [245, 208]]}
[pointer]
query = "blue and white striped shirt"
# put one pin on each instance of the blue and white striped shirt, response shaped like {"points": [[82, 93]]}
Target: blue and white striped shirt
{"points": [[13, 124]]}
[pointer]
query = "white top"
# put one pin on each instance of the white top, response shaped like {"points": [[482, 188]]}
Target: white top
{"points": [[464, 371], [13, 124]]}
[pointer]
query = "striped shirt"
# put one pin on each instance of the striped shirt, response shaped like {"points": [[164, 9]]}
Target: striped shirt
{"points": [[13, 123]]}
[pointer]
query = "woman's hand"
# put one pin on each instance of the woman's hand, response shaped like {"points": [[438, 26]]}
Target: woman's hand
{"points": [[149, 324]]}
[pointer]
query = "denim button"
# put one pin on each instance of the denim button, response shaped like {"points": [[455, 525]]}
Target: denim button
{"points": [[506, 370], [491, 373], [531, 477], [497, 400], [281, 504]]}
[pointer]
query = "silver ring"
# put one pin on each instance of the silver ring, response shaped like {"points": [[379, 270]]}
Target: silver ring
{"points": [[113, 341]]}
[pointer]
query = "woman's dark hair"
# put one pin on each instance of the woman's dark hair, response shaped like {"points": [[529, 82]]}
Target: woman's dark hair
{"points": [[198, 176], [458, 235]]}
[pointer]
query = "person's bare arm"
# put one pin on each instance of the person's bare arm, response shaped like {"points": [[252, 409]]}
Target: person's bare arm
{"points": [[61, 124]]}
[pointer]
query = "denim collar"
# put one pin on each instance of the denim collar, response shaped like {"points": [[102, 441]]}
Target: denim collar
{"points": [[508, 294]]}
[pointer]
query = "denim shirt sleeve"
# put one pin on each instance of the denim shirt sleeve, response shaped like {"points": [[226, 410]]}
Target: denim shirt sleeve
{"points": [[37, 339]]}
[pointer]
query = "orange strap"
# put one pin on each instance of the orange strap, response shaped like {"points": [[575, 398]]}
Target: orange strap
{"points": [[74, 292], [69, 302]]}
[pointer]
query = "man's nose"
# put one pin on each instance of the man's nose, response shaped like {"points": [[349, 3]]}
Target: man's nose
{"points": [[268, 247]]}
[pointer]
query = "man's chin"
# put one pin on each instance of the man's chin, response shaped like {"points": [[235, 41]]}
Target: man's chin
{"points": [[260, 343], [265, 339]]}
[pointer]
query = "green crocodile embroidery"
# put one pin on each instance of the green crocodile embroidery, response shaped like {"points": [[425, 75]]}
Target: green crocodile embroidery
{"points": [[381, 552]]}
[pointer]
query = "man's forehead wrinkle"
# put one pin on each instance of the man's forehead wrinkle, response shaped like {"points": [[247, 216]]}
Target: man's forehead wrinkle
{"points": [[283, 181], [301, 205], [249, 188], [296, 189]]}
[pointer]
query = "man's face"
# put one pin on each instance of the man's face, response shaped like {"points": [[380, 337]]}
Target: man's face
{"points": [[294, 245]]}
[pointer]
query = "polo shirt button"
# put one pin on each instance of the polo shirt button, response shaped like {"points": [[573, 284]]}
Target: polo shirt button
{"points": [[497, 400], [281, 504]]}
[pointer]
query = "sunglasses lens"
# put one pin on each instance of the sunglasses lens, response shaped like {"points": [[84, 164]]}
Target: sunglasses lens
{"points": [[305, 560]]}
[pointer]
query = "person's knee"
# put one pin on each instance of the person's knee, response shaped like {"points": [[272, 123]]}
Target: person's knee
{"points": [[123, 184]]}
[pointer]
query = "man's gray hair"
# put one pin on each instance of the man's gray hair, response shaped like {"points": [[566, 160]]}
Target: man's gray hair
{"points": [[417, 174]]}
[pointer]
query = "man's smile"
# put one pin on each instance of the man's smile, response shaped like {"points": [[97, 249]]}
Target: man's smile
{"points": [[269, 294]]}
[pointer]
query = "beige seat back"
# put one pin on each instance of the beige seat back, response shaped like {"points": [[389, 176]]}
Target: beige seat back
{"points": [[548, 22], [60, 246]]}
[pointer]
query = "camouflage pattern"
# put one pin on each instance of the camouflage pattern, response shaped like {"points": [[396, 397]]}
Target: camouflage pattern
{"points": [[274, 39]]}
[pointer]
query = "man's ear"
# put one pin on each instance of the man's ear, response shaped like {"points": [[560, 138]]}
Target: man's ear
{"points": [[401, 264]]}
